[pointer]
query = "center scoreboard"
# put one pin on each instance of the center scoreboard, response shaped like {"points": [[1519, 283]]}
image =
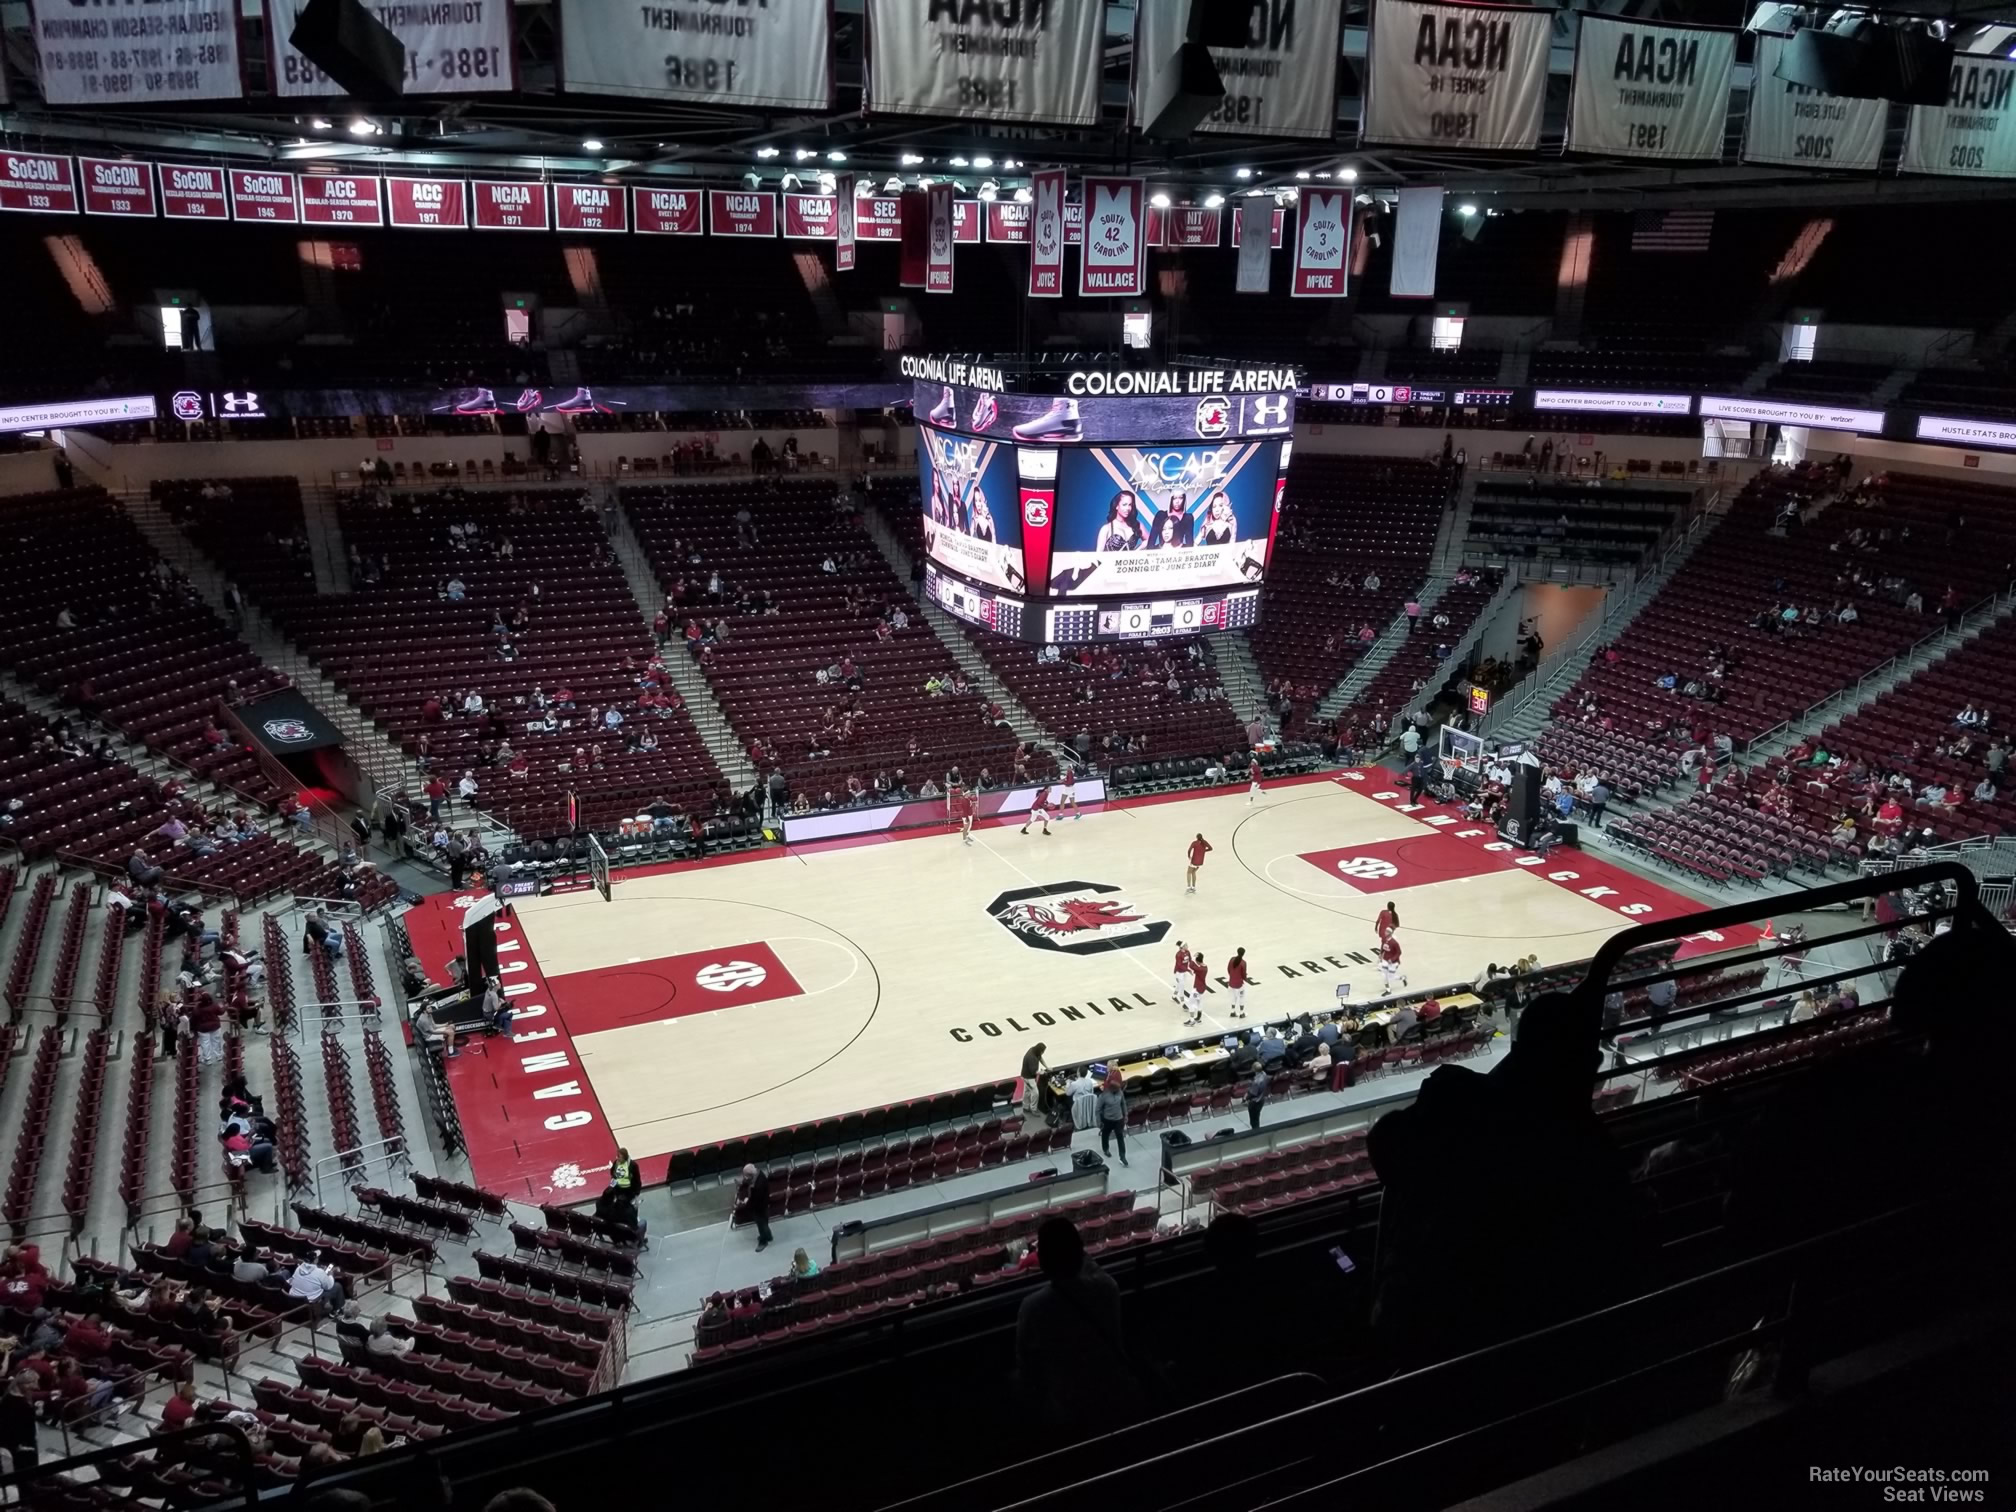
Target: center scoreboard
{"points": [[1103, 501]]}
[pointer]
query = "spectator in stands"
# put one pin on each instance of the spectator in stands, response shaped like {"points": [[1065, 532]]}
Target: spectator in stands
{"points": [[320, 932], [384, 1343], [1069, 1350], [802, 1265], [17, 1423], [755, 1202], [184, 1235], [1034, 1069], [455, 590], [1256, 1095], [316, 1284], [427, 1032], [141, 868], [1112, 1096], [180, 1408]]}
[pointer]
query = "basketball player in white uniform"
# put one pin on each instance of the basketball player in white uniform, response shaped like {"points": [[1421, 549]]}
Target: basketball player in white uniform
{"points": [[1067, 793], [1179, 980]]}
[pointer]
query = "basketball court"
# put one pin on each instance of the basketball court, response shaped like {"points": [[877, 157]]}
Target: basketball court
{"points": [[713, 1000]]}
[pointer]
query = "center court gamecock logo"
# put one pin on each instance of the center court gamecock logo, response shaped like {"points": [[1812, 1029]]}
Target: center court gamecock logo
{"points": [[287, 730], [1214, 418], [1077, 918], [730, 976]]}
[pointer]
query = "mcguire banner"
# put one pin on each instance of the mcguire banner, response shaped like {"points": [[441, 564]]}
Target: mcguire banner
{"points": [[1650, 91], [1457, 75], [1031, 60]]}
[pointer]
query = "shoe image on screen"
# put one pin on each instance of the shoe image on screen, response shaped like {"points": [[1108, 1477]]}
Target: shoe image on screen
{"points": [[984, 412], [944, 412], [1058, 423]]}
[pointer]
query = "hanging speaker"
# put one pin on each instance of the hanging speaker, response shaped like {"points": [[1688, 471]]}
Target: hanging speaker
{"points": [[1222, 23], [1196, 91], [352, 46], [1865, 60]]}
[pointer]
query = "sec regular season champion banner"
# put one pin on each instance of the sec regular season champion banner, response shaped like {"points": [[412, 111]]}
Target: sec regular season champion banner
{"points": [[452, 47], [1037, 60], [1650, 91], [1282, 83], [776, 55], [1973, 135], [1322, 240], [1456, 75], [165, 50], [1115, 253], [1802, 128], [1046, 234]]}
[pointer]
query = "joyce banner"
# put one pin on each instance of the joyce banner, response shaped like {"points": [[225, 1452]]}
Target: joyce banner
{"points": [[1115, 254], [1030, 61], [1282, 83], [843, 227], [1456, 75], [1973, 135], [1650, 91], [427, 204], [772, 56], [452, 47], [666, 212], [114, 186], [938, 239], [1799, 127], [1046, 234], [144, 55], [1322, 237]]}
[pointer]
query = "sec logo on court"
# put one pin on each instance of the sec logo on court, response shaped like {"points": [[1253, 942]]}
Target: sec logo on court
{"points": [[1367, 868], [730, 976], [1077, 918]]}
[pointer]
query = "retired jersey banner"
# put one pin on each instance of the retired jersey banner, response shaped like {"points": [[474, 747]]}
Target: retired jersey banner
{"points": [[844, 210], [115, 186], [666, 212], [1973, 135], [38, 183], [1650, 91], [257, 194], [915, 252], [1417, 243], [810, 217], [1046, 234], [192, 193], [938, 239], [1115, 253], [137, 55], [1322, 239], [1798, 127], [341, 199], [986, 60], [509, 206], [1253, 237], [452, 47], [427, 204], [590, 207], [775, 55], [741, 212], [1282, 83], [1456, 75]]}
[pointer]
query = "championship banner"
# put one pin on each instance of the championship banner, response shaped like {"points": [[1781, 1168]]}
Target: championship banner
{"points": [[811, 217], [878, 218], [144, 55], [1973, 135], [1277, 225], [966, 222], [1797, 127], [341, 199], [1074, 225], [1029, 61], [427, 204], [115, 186], [1116, 236], [452, 47], [36, 183], [1456, 75], [509, 206], [1046, 234], [1322, 237], [666, 212], [915, 251], [1008, 221], [845, 208], [1192, 226], [1251, 235], [1282, 83], [1417, 243], [938, 239], [190, 193], [1650, 91], [258, 194], [590, 207], [772, 56], [741, 212]]}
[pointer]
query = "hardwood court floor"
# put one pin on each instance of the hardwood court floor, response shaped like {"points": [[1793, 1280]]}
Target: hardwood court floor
{"points": [[710, 1002]]}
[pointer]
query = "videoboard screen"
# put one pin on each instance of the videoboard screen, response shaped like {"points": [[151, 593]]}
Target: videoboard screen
{"points": [[1068, 420], [1134, 520], [972, 517]]}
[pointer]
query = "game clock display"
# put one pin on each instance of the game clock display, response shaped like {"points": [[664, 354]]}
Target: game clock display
{"points": [[1153, 619], [998, 612]]}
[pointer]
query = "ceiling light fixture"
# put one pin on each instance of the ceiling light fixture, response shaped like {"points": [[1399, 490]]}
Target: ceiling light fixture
{"points": [[319, 124], [910, 160], [958, 162], [362, 127], [752, 178], [1466, 211], [1303, 173], [1213, 201], [766, 153], [983, 162], [1255, 193], [1159, 200], [836, 157], [591, 144], [1349, 175], [1244, 173], [800, 154], [1023, 196], [893, 185], [989, 189]]}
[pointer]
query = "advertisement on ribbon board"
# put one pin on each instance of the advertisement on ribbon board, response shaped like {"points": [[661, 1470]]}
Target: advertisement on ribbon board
{"points": [[427, 204], [115, 186], [1282, 83], [1777, 412], [938, 239], [137, 55], [1115, 253], [192, 193], [1046, 234], [502, 205], [667, 212], [36, 183], [844, 210], [1277, 226], [1469, 76], [1596, 402], [341, 199], [59, 414], [590, 207], [771, 56], [258, 194], [1798, 127], [1973, 135], [1650, 91], [741, 212], [1036, 60], [1322, 237], [452, 47], [1966, 432], [811, 217]]}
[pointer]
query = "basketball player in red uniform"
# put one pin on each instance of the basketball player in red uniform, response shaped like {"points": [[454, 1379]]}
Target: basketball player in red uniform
{"points": [[1179, 981], [1067, 793], [1199, 849], [1235, 978], [1387, 924], [1389, 962], [1198, 987], [1038, 813], [963, 805], [1253, 777]]}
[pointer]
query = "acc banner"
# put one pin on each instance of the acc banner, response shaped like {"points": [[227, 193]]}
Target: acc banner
{"points": [[1282, 83], [1973, 134], [341, 199], [1650, 91], [776, 55], [1456, 75], [843, 223], [1322, 236], [1115, 253], [1802, 128], [427, 204], [1046, 234], [140, 55], [993, 60], [452, 47], [938, 239]]}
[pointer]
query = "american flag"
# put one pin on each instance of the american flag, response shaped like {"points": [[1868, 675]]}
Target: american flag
{"points": [[1672, 230]]}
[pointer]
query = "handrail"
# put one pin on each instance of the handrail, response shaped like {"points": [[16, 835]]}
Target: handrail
{"points": [[120, 875], [247, 1492]]}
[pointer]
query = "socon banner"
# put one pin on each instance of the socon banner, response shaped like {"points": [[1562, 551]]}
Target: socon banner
{"points": [[139, 54]]}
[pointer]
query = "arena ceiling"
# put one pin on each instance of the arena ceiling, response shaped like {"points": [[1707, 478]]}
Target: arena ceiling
{"points": [[541, 130]]}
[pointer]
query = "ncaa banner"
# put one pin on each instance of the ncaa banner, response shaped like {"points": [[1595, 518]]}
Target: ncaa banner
{"points": [[1650, 91], [990, 60], [741, 212], [1008, 221], [1254, 236], [811, 217], [966, 222], [666, 212], [1456, 75], [843, 223], [775, 55], [1115, 253], [1973, 135], [1322, 237], [140, 55], [1282, 83], [452, 47], [1417, 243], [938, 239], [1046, 234], [1798, 127]]}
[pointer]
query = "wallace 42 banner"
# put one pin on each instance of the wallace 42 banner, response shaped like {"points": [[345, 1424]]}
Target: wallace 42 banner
{"points": [[775, 55], [1650, 91], [1115, 253], [1456, 75], [994, 60], [1322, 242]]}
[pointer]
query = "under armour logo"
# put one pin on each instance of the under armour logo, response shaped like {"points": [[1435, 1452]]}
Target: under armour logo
{"points": [[240, 404], [1270, 409]]}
